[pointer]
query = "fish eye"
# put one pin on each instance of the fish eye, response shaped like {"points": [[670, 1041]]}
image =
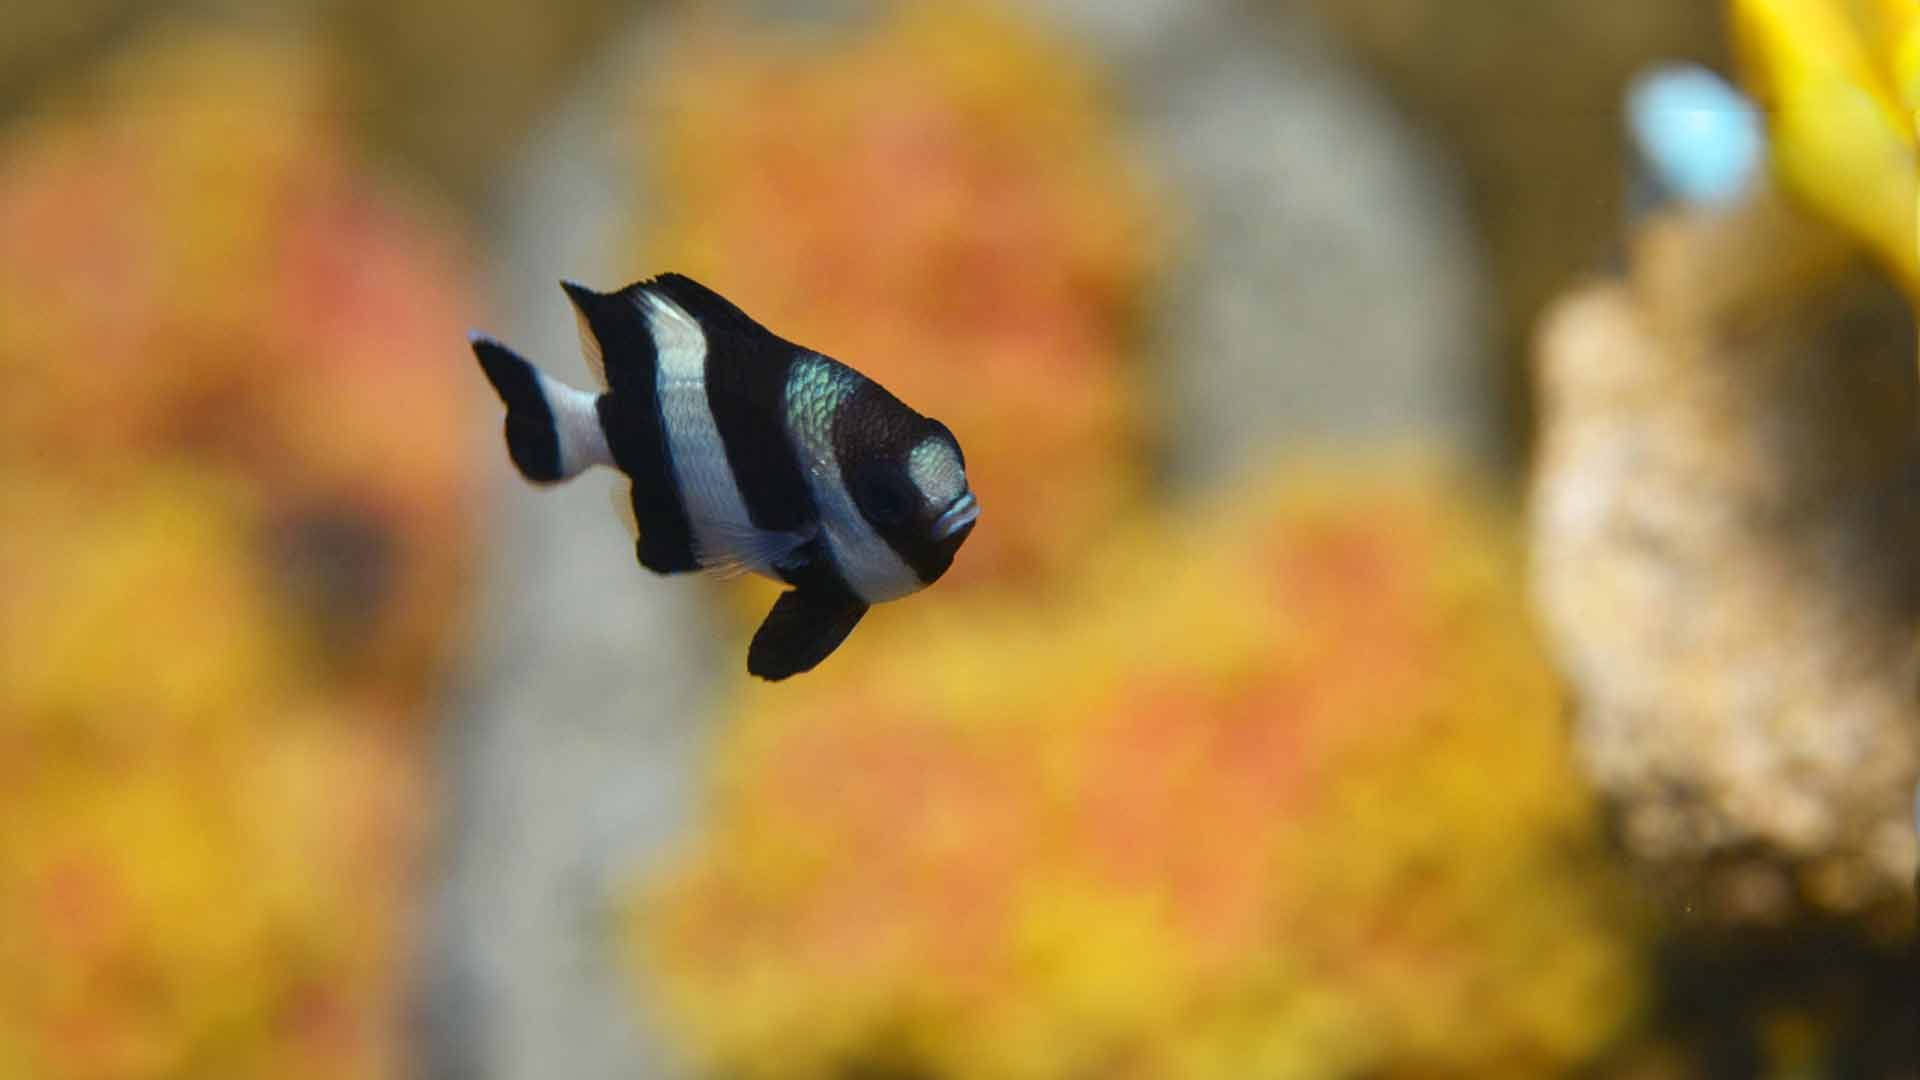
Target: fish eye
{"points": [[887, 496]]}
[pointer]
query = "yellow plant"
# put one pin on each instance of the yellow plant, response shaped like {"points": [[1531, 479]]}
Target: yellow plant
{"points": [[1295, 801], [1841, 80]]}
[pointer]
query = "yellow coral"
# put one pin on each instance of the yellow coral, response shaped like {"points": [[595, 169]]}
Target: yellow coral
{"points": [[941, 201], [232, 519], [1841, 79], [190, 261], [181, 885], [1295, 803], [84, 595]]}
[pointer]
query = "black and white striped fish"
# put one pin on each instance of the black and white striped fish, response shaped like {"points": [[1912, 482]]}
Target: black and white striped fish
{"points": [[747, 453]]}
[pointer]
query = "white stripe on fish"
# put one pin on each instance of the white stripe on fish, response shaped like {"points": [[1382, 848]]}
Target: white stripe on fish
{"points": [[714, 507], [583, 443]]}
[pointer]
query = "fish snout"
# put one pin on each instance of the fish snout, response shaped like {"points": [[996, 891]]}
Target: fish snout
{"points": [[956, 517]]}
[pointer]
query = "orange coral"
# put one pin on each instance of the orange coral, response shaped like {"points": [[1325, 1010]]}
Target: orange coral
{"points": [[1295, 803], [940, 202], [232, 531], [202, 856], [197, 268]]}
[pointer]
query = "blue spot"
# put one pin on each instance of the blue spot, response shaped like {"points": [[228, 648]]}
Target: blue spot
{"points": [[1702, 140]]}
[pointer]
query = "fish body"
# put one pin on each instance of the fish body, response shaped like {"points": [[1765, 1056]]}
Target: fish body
{"points": [[745, 453]]}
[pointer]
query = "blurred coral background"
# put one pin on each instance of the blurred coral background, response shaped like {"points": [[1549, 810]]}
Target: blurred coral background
{"points": [[1445, 603]]}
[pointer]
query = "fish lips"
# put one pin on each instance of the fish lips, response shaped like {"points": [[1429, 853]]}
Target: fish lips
{"points": [[956, 518]]}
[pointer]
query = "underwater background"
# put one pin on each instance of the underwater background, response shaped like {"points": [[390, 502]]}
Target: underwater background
{"points": [[1445, 605]]}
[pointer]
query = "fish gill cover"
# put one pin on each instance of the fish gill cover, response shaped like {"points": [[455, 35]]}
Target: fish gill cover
{"points": [[1297, 804], [232, 540]]}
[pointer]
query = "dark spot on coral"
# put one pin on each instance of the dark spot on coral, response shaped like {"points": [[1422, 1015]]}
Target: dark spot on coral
{"points": [[887, 1056], [336, 565], [885, 1068], [1720, 988]]}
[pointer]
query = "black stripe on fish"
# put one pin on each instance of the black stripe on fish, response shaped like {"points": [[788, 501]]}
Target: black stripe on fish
{"points": [[636, 435], [873, 433]]}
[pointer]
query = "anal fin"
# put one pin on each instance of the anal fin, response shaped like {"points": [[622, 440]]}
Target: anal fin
{"points": [[804, 628], [622, 494]]}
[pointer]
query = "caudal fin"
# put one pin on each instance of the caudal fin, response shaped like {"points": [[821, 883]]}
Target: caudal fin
{"points": [[553, 430]]}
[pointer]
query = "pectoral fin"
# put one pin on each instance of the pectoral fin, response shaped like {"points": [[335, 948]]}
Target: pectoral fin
{"points": [[742, 549], [803, 628]]}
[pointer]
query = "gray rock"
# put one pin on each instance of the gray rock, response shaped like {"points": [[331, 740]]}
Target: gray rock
{"points": [[1328, 288], [1720, 544], [573, 750]]}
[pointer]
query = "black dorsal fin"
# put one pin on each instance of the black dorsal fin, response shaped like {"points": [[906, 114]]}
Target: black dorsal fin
{"points": [[622, 342], [715, 312]]}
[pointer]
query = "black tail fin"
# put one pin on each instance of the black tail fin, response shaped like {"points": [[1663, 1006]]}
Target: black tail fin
{"points": [[533, 439]]}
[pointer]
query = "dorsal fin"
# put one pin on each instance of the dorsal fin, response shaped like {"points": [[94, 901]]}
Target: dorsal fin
{"points": [[590, 348], [616, 330], [615, 336], [715, 312]]}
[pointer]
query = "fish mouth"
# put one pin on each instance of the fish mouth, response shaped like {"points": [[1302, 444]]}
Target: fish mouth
{"points": [[958, 516]]}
